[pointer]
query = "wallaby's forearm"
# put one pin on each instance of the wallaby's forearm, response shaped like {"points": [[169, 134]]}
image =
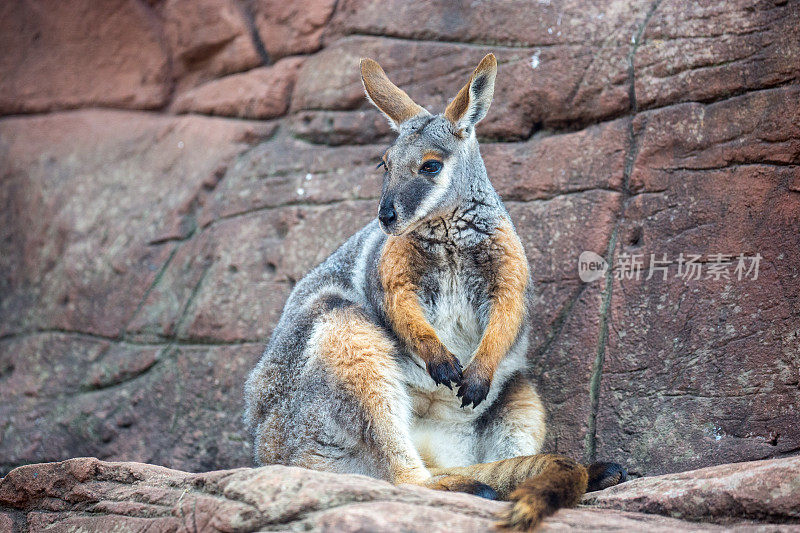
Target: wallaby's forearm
{"points": [[508, 299], [400, 267], [507, 294]]}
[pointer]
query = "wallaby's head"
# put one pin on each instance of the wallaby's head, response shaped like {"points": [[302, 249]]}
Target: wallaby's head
{"points": [[435, 160]]}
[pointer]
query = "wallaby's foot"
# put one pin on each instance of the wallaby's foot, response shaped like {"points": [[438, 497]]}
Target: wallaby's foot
{"points": [[445, 369], [561, 482], [474, 386], [604, 475], [453, 483]]}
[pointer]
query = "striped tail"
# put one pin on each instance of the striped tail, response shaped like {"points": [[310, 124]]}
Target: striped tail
{"points": [[536, 485]]}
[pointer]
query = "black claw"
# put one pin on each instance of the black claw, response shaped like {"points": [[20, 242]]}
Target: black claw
{"points": [[446, 373], [473, 392]]}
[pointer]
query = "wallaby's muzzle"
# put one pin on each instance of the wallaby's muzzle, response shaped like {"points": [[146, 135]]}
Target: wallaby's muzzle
{"points": [[387, 215]]}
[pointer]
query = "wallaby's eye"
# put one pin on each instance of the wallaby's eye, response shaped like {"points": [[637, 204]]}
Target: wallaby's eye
{"points": [[431, 167]]}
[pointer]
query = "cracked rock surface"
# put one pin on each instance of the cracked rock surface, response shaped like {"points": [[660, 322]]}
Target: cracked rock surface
{"points": [[169, 173], [90, 495]]}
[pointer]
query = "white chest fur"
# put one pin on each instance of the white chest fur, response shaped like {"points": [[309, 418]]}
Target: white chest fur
{"points": [[454, 319], [441, 429]]}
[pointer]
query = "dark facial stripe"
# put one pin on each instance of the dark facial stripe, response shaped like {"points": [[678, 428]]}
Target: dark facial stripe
{"points": [[411, 195]]}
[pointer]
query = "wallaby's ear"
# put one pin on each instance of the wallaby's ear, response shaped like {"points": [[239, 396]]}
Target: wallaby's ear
{"points": [[473, 100], [386, 96]]}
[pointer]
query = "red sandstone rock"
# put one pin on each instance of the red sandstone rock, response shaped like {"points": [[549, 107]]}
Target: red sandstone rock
{"points": [[291, 172], [231, 281], [514, 23], [161, 402], [59, 55], [767, 490], [93, 495], [550, 86], [92, 200], [335, 128], [706, 51], [570, 163], [289, 28], [208, 38], [140, 277], [703, 368], [259, 93]]}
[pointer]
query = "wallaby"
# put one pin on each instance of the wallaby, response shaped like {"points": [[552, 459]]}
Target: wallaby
{"points": [[358, 374]]}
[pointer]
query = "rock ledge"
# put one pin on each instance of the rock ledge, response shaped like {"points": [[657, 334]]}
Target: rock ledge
{"points": [[87, 494]]}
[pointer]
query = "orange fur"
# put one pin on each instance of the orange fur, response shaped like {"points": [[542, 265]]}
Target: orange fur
{"points": [[400, 266], [431, 155], [537, 485], [453, 484], [506, 476], [559, 483], [390, 99], [503, 475], [508, 302], [524, 411], [360, 356], [460, 104], [456, 109]]}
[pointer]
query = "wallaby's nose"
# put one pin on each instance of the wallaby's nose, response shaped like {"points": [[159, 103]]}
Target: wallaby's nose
{"points": [[387, 215]]}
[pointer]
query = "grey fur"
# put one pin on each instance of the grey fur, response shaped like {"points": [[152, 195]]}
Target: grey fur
{"points": [[295, 408]]}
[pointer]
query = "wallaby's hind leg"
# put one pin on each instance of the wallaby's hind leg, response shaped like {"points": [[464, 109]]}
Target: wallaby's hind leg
{"points": [[516, 426], [358, 356], [559, 482], [536, 485]]}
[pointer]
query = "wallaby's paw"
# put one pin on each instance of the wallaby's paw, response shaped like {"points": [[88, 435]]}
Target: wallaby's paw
{"points": [[445, 370], [453, 483], [474, 387], [604, 475]]}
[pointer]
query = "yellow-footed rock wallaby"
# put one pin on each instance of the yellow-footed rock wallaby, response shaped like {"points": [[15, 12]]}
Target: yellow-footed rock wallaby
{"points": [[432, 294]]}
